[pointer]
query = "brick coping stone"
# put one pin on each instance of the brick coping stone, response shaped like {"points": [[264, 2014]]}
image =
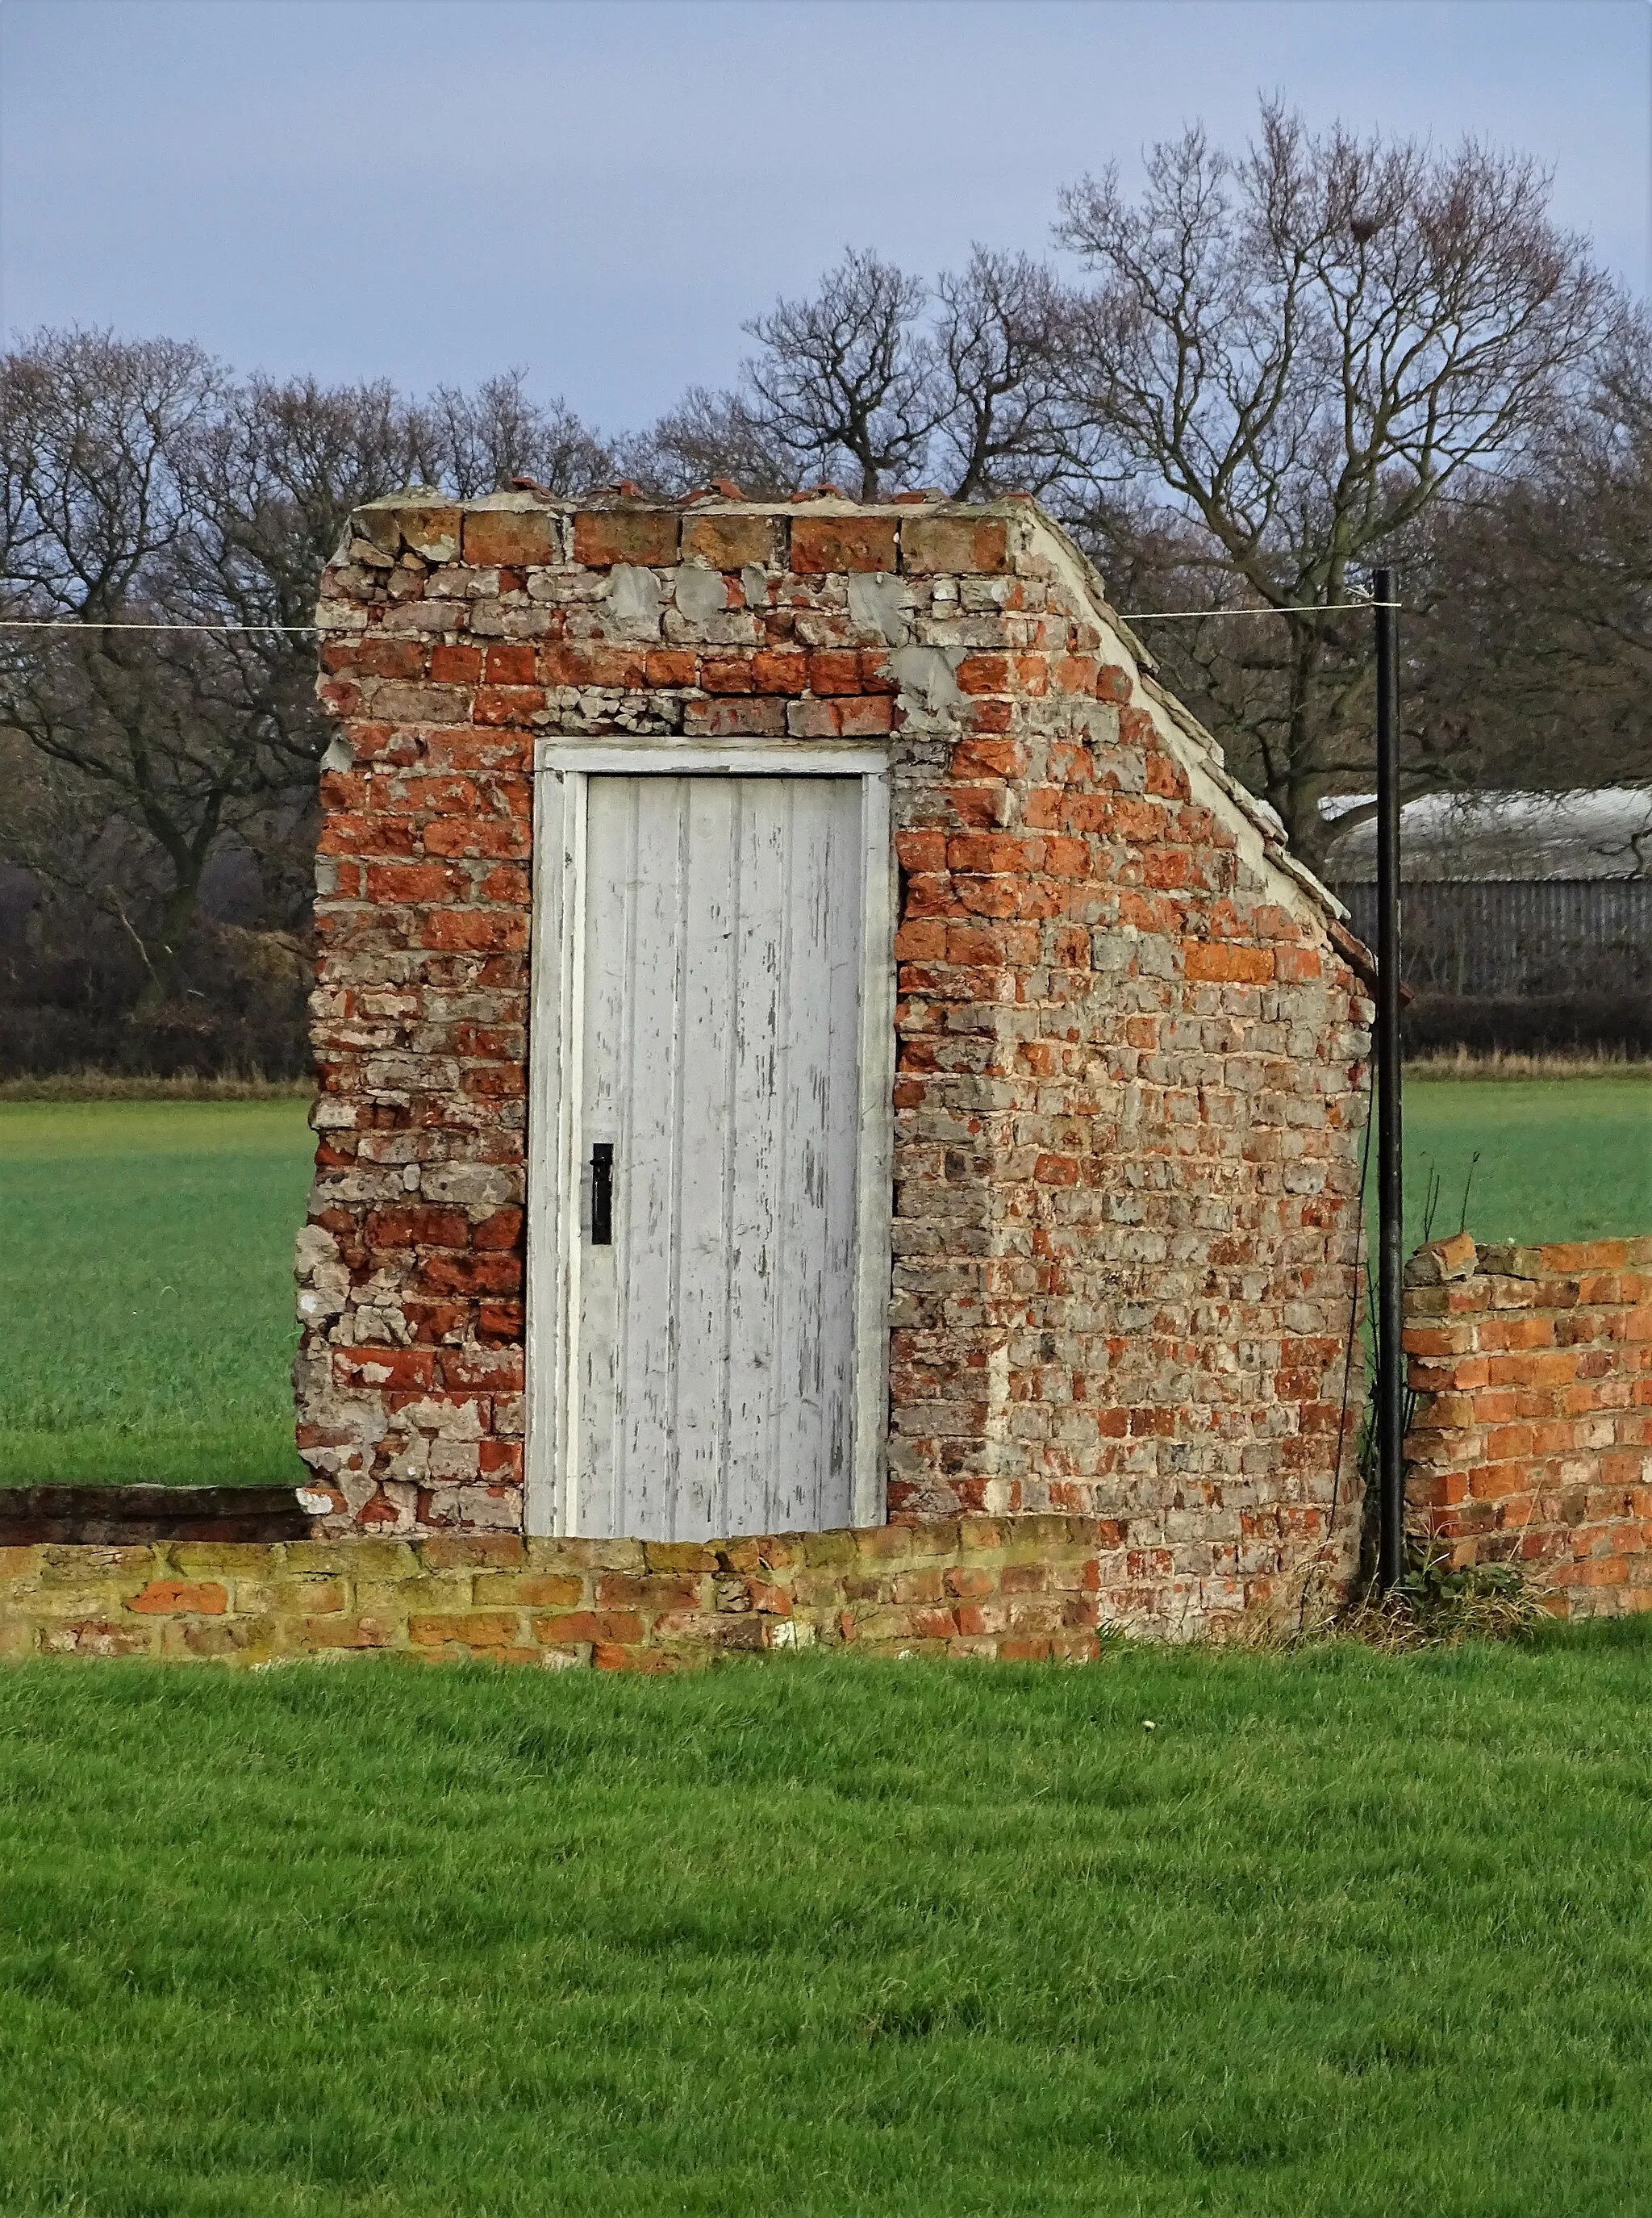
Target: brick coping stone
{"points": [[1036, 1587]]}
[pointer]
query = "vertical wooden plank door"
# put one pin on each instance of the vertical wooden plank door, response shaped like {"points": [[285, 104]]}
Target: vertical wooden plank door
{"points": [[716, 1324]]}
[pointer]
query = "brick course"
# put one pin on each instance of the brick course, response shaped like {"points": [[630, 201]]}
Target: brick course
{"points": [[1531, 1437], [1131, 1036], [1031, 1589]]}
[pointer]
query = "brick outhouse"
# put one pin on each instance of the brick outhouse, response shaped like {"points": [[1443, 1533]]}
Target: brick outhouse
{"points": [[810, 1033]]}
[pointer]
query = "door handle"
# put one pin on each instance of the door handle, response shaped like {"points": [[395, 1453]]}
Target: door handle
{"points": [[602, 1194]]}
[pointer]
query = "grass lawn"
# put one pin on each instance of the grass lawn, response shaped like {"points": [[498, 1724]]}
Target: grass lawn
{"points": [[1560, 1159], [146, 1287], [1346, 1934], [158, 1239]]}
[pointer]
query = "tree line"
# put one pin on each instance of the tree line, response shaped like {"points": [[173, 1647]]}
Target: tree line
{"points": [[1241, 386]]}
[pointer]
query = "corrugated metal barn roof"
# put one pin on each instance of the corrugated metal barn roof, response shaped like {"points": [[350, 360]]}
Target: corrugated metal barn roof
{"points": [[1604, 832]]}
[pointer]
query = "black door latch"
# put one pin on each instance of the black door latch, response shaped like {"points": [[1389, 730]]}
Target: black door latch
{"points": [[602, 1194]]}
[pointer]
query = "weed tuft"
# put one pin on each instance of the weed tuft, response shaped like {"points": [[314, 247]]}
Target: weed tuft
{"points": [[1439, 1605]]}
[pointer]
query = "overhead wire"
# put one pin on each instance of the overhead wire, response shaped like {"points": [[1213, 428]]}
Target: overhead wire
{"points": [[1291, 609], [95, 624], [1128, 615]]}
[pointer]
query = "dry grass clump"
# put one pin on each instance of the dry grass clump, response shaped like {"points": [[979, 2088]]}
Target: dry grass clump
{"points": [[1434, 1607], [1437, 1607], [1465, 1062], [108, 1085]]}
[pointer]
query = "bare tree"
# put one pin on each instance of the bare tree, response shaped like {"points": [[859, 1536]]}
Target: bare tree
{"points": [[477, 442], [1544, 632], [847, 377], [707, 436], [1293, 354], [1005, 419], [144, 487], [1529, 651], [90, 425], [96, 506], [878, 381], [271, 481]]}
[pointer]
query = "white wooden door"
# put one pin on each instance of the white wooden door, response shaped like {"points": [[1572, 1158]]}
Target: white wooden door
{"points": [[714, 1357]]}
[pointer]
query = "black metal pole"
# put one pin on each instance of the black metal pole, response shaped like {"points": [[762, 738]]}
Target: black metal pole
{"points": [[1390, 1363]]}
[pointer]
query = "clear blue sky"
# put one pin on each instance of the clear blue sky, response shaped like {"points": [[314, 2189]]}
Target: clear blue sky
{"points": [[600, 190]]}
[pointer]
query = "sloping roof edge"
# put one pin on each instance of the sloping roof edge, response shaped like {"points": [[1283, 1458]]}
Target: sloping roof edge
{"points": [[1261, 834], [1201, 756]]}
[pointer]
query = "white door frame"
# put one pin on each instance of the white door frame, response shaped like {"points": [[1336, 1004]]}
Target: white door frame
{"points": [[555, 1037]]}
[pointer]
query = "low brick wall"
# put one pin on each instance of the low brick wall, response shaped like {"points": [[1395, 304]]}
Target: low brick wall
{"points": [[1532, 1439], [1027, 1588]]}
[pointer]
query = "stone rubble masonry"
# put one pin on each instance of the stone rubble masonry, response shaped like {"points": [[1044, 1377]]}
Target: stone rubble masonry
{"points": [[1026, 1588], [1132, 1031], [1531, 1441]]}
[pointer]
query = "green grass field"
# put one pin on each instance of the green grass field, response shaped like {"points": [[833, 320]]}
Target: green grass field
{"points": [[1346, 1934], [146, 1283], [1560, 1159], [146, 1274]]}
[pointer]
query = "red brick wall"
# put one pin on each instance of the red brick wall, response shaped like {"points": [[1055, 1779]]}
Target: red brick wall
{"points": [[1531, 1438], [1131, 1044]]}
